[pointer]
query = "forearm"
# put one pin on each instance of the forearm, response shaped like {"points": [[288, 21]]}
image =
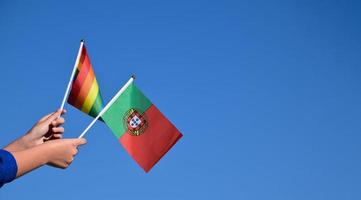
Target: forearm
{"points": [[30, 159], [19, 144]]}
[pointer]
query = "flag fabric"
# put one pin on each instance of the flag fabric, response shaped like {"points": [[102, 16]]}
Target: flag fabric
{"points": [[140, 127], [85, 94]]}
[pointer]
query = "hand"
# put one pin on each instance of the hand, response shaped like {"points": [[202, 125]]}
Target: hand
{"points": [[62, 152], [58, 153], [47, 128]]}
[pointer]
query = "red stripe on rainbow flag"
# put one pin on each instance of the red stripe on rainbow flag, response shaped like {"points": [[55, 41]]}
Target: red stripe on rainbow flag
{"points": [[79, 80]]}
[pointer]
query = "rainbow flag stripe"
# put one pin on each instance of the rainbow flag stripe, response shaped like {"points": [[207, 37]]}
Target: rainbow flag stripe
{"points": [[85, 94]]}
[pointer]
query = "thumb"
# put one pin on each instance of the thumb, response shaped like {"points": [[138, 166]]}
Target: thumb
{"points": [[79, 141], [53, 116], [46, 117]]}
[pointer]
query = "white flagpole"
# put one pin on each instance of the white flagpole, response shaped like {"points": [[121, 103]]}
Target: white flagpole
{"points": [[107, 106], [72, 75]]}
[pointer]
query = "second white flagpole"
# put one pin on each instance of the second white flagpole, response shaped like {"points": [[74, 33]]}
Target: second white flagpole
{"points": [[72, 75], [107, 106]]}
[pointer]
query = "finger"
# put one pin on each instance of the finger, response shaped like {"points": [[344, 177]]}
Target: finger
{"points": [[69, 161], [58, 121], [79, 142], [75, 151], [59, 165], [63, 112], [58, 130], [54, 116], [45, 117], [64, 165], [57, 136]]}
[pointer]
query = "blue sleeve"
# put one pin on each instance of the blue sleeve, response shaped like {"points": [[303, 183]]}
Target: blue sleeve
{"points": [[8, 167]]}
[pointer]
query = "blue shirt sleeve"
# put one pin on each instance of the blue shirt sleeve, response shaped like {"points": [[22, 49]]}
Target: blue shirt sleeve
{"points": [[8, 167]]}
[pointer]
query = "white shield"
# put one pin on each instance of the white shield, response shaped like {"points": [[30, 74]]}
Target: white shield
{"points": [[134, 122]]}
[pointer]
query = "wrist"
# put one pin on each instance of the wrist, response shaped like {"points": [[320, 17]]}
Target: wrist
{"points": [[31, 158], [28, 140], [17, 145], [45, 153]]}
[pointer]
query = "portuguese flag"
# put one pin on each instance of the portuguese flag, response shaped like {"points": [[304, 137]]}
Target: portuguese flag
{"points": [[140, 127], [85, 94]]}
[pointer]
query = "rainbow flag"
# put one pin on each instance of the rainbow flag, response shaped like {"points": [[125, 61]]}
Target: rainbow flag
{"points": [[85, 94]]}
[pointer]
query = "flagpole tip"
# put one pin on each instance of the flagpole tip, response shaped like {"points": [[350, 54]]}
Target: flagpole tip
{"points": [[82, 40], [133, 76]]}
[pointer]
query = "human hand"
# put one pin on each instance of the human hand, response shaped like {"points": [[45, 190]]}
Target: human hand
{"points": [[47, 128], [61, 152], [57, 153]]}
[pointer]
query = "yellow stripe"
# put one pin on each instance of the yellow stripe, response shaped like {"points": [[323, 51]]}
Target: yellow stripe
{"points": [[92, 95]]}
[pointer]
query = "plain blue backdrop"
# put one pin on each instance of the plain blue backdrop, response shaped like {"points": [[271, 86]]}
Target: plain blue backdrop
{"points": [[266, 93]]}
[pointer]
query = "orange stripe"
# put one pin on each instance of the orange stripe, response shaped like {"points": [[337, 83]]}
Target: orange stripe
{"points": [[83, 93], [92, 95]]}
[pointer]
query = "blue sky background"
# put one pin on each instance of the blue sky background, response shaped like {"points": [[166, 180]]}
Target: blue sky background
{"points": [[266, 93]]}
